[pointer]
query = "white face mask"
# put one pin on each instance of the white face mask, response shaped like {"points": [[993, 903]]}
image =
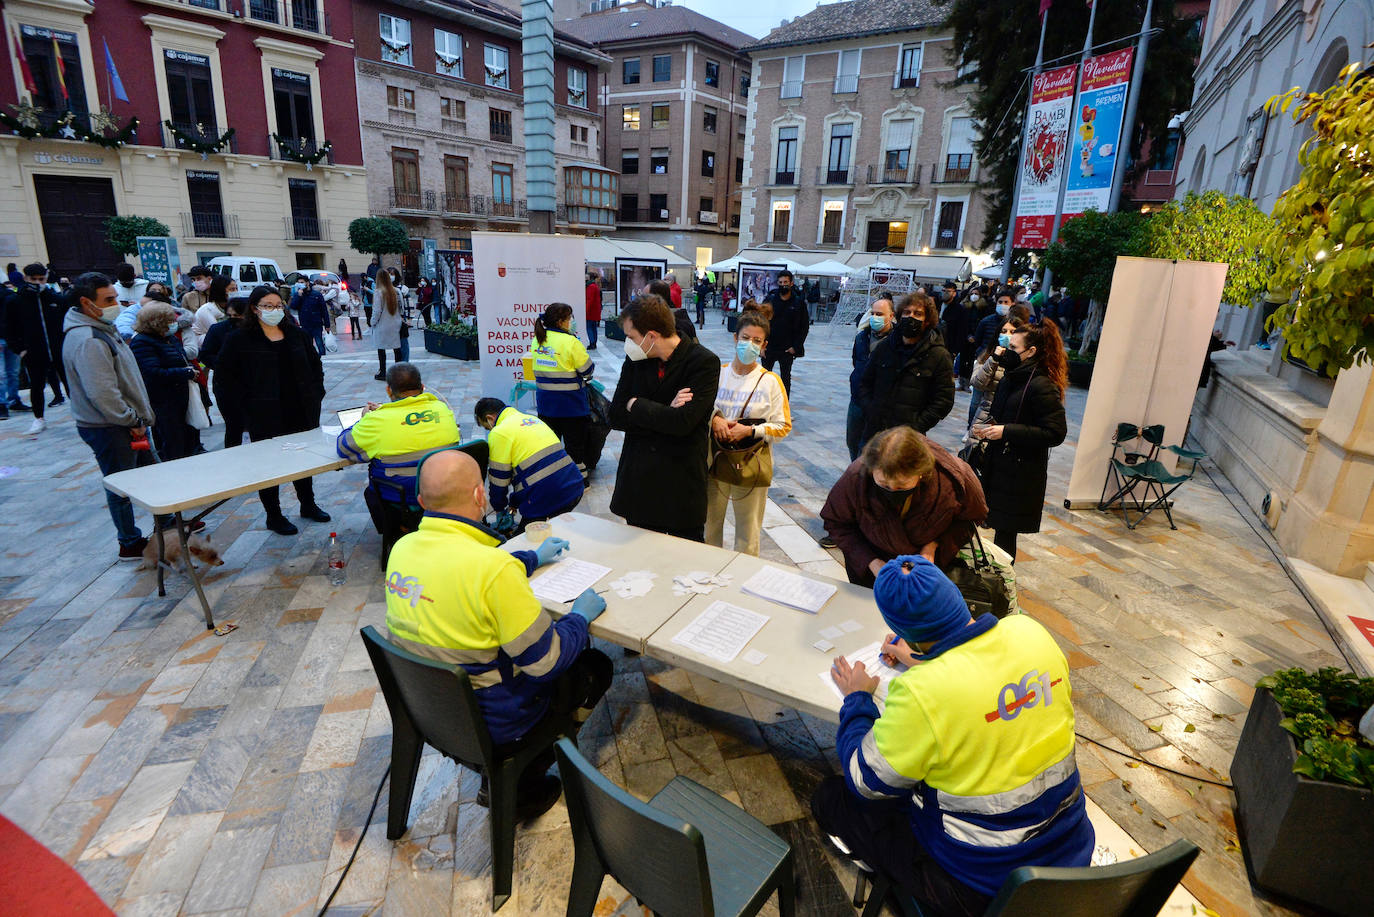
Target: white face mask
{"points": [[110, 313], [272, 316], [201, 285], [635, 352]]}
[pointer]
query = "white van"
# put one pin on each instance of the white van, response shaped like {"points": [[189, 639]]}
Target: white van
{"points": [[248, 271]]}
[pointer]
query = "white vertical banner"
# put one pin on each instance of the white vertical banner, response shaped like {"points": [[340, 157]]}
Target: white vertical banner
{"points": [[1154, 340], [517, 276]]}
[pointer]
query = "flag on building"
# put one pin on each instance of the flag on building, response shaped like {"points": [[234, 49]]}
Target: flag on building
{"points": [[116, 85], [24, 70], [1045, 7], [61, 69]]}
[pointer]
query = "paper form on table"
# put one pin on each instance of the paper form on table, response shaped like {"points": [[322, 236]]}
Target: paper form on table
{"points": [[871, 657], [567, 579], [721, 631], [789, 589]]}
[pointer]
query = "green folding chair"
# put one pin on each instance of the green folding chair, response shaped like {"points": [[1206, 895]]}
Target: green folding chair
{"points": [[685, 853], [1143, 483]]}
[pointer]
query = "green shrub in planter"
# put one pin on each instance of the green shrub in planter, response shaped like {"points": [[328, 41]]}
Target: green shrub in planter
{"points": [[454, 338], [1304, 781], [613, 330]]}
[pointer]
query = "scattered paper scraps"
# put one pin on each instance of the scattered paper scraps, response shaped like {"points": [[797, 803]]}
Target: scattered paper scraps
{"points": [[754, 657], [850, 626], [699, 582], [634, 584], [824, 646], [832, 633]]}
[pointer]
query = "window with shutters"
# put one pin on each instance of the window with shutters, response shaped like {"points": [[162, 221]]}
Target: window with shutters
{"points": [[793, 74], [949, 224], [959, 151], [841, 142], [207, 210], [847, 74], [785, 168], [448, 53], [782, 220], [739, 170], [908, 67], [291, 100], [629, 162], [305, 214], [456, 196], [832, 222], [453, 115], [190, 93], [577, 87], [502, 189], [400, 105], [498, 123], [405, 178], [45, 49], [395, 35], [497, 62], [897, 155]]}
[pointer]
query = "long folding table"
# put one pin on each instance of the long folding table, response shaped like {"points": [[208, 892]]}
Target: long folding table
{"points": [[209, 479]]}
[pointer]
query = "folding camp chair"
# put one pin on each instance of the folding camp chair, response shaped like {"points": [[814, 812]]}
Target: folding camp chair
{"points": [[1143, 484]]}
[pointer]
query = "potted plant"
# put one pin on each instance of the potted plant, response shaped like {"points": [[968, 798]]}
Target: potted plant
{"points": [[1081, 367], [1304, 782], [455, 338], [613, 329]]}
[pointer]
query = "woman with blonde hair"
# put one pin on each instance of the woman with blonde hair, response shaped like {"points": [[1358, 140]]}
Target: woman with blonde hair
{"points": [[389, 329]]}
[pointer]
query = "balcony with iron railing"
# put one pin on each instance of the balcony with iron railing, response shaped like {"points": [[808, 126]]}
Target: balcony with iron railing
{"points": [[209, 225], [879, 175], [452, 202], [846, 82], [408, 199], [307, 229], [201, 133], [298, 149], [785, 178], [508, 210], [296, 15], [958, 167], [832, 176]]}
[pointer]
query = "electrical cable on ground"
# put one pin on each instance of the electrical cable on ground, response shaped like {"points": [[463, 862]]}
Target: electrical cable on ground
{"points": [[1158, 767], [356, 847]]}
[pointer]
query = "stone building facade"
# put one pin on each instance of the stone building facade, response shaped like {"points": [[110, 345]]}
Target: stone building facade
{"points": [[440, 106], [855, 140], [675, 99]]}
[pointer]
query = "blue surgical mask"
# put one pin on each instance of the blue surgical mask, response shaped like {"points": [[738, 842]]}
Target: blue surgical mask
{"points": [[747, 352], [877, 323], [1004, 340], [1003, 309]]}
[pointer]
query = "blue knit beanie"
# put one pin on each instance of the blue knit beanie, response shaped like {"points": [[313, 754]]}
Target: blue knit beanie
{"points": [[919, 602]]}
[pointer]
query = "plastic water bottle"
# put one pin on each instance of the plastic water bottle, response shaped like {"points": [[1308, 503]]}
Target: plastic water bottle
{"points": [[338, 567]]}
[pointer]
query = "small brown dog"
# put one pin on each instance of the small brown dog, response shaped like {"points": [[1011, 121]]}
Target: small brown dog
{"points": [[201, 549]]}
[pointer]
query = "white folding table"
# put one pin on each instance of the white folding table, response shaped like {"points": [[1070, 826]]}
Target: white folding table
{"points": [[209, 479]]}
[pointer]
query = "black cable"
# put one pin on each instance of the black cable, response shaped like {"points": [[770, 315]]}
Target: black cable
{"points": [[1158, 767], [356, 847]]}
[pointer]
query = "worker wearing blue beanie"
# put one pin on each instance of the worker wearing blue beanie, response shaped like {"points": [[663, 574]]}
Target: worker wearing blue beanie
{"points": [[960, 769], [919, 602]]}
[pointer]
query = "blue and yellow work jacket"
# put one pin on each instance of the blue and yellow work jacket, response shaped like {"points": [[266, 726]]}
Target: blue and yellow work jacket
{"points": [[978, 738], [562, 370], [394, 438], [453, 596], [528, 460]]}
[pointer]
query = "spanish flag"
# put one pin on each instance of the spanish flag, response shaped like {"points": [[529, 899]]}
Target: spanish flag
{"points": [[61, 69], [24, 70]]}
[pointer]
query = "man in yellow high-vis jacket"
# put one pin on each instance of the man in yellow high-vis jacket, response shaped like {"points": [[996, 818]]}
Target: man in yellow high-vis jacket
{"points": [[963, 768], [453, 595]]}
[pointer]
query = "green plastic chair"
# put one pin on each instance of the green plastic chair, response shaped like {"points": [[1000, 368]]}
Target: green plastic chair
{"points": [[1144, 484], [685, 853], [1135, 888], [432, 703]]}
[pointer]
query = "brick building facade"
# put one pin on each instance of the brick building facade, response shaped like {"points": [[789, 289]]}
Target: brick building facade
{"points": [[855, 139]]}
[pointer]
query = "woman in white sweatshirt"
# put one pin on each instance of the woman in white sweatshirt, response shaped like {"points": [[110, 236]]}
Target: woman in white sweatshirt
{"points": [[751, 413]]}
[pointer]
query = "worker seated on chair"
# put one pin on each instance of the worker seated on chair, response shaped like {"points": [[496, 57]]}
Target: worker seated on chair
{"points": [[528, 468], [962, 768], [453, 595], [393, 437]]}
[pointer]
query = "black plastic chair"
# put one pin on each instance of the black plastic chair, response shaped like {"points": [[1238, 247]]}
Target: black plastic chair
{"points": [[685, 853], [401, 517], [432, 703], [1135, 888]]}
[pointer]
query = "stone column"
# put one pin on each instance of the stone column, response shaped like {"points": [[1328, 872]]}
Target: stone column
{"points": [[1329, 521]]}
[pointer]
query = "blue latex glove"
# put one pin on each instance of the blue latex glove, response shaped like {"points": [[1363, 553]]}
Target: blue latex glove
{"points": [[550, 550], [589, 605], [505, 521]]}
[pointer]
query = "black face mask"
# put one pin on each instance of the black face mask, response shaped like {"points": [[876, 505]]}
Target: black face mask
{"points": [[1009, 359], [909, 326], [894, 498]]}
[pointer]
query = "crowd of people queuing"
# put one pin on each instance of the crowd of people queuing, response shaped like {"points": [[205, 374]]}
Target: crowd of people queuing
{"points": [[132, 357]]}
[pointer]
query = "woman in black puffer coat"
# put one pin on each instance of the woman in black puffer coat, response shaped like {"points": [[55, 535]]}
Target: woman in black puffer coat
{"points": [[1027, 421], [273, 379], [910, 376], [166, 371]]}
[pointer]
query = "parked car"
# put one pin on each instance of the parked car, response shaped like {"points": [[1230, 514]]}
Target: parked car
{"points": [[248, 271], [310, 275]]}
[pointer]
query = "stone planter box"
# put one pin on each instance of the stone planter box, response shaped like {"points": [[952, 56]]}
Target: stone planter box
{"points": [[1305, 839], [1080, 373], [448, 345], [613, 330]]}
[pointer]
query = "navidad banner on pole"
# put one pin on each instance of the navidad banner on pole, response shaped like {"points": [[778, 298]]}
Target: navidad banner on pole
{"points": [[517, 275], [1047, 140], [1097, 132], [160, 259]]}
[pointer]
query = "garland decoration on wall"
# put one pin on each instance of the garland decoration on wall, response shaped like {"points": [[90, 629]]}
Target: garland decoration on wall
{"points": [[495, 76], [448, 62], [195, 144], [27, 122], [392, 47], [294, 150]]}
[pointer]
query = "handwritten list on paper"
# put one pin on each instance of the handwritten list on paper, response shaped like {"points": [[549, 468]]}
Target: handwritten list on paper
{"points": [[871, 657], [567, 579], [721, 631], [789, 589]]}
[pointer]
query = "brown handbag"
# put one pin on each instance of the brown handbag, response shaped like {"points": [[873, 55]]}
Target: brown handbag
{"points": [[750, 466]]}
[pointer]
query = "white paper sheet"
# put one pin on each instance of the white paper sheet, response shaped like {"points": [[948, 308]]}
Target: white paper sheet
{"points": [[789, 589], [754, 657], [831, 633], [567, 579], [721, 631], [871, 657]]}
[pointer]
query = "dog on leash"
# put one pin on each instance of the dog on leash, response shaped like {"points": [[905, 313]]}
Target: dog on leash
{"points": [[200, 547]]}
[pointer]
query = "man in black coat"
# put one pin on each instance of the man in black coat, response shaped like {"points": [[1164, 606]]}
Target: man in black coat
{"points": [[958, 320], [33, 329], [790, 323], [663, 402], [910, 377]]}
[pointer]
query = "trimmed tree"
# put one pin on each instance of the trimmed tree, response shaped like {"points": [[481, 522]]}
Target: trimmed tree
{"points": [[1322, 247], [1214, 227], [378, 236], [123, 232], [1084, 258]]}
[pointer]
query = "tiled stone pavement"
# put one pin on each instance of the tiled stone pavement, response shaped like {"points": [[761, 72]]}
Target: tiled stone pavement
{"points": [[186, 773]]}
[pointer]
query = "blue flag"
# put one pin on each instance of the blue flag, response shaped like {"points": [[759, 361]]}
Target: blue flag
{"points": [[116, 85]]}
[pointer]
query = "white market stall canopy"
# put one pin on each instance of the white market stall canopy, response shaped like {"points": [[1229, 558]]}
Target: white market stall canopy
{"points": [[602, 250], [936, 268], [830, 263], [827, 268]]}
